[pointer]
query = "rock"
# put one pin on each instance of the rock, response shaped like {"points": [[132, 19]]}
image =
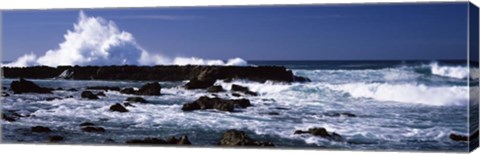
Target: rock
{"points": [[239, 138], [105, 88], [41, 129], [273, 113], [118, 108], [5, 94], [87, 124], [205, 102], [7, 118], [55, 138], [136, 99], [172, 140], [89, 95], [457, 137], [236, 94], [101, 94], [243, 89], [301, 79], [128, 91], [25, 86], [93, 129], [281, 108], [151, 141], [321, 132], [72, 89], [152, 88], [199, 84], [215, 89], [184, 140], [128, 105], [154, 73], [336, 114], [52, 98]]}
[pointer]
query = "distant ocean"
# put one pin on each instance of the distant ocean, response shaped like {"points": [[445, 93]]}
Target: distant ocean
{"points": [[398, 105]]}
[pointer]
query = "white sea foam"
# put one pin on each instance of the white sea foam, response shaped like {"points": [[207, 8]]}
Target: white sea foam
{"points": [[459, 72], [97, 41], [407, 93]]}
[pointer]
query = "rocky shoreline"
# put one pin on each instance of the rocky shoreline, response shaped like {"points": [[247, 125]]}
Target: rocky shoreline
{"points": [[155, 73]]}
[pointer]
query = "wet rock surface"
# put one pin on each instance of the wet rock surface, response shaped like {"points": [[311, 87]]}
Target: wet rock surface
{"points": [[205, 102], [117, 107], [321, 132], [25, 86], [240, 138]]}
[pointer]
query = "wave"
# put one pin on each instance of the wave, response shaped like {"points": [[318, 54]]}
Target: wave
{"points": [[96, 41], [459, 72], [407, 93]]}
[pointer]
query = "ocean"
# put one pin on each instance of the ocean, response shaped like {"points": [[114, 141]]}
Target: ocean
{"points": [[398, 105]]}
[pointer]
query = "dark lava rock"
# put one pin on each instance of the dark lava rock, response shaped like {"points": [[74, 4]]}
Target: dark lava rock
{"points": [[239, 138], [321, 132], [52, 98], [152, 88], [136, 99], [87, 124], [25, 86], [236, 94], [101, 94], [199, 84], [183, 140], [128, 91], [5, 94], [301, 79], [89, 95], [7, 118], [151, 141], [118, 108], [273, 113], [41, 129], [72, 89], [55, 138], [93, 129], [105, 88], [336, 114], [205, 102], [128, 105], [243, 89], [457, 137], [215, 89]]}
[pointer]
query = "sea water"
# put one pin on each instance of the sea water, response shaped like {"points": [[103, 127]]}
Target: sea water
{"points": [[399, 105]]}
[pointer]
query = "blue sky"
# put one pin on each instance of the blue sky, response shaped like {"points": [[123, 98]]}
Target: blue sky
{"points": [[317, 32]]}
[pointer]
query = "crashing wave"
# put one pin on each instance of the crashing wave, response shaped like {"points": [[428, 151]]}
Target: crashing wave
{"points": [[96, 41]]}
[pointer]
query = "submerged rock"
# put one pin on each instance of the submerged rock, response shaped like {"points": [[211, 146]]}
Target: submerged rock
{"points": [[128, 91], [215, 89], [41, 129], [105, 88], [25, 86], [7, 118], [52, 98], [321, 132], [87, 124], [55, 138], [205, 102], [128, 105], [239, 138], [243, 89], [5, 94], [117, 107], [89, 95], [457, 137], [301, 79], [136, 99], [199, 84], [93, 129], [337, 114], [101, 94], [151, 141]]}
